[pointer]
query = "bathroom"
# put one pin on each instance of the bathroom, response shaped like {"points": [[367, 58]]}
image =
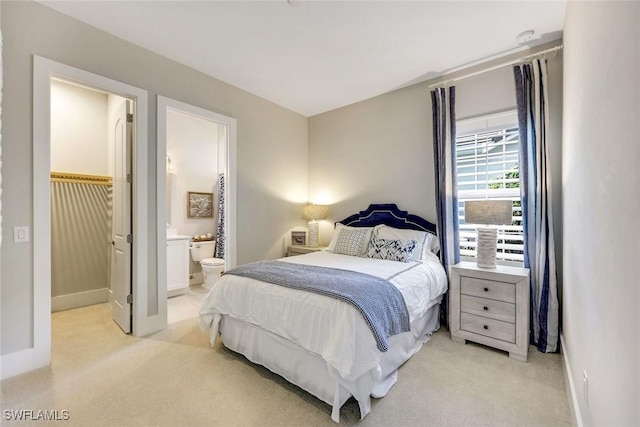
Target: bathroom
{"points": [[196, 160]]}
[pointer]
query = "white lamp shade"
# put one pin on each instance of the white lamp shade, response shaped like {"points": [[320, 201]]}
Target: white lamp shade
{"points": [[314, 212], [491, 212]]}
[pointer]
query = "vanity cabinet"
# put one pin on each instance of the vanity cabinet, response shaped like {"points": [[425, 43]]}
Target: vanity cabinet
{"points": [[177, 265]]}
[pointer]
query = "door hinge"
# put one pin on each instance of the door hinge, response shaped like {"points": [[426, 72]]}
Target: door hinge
{"points": [[129, 178], [129, 299], [129, 238], [130, 118]]}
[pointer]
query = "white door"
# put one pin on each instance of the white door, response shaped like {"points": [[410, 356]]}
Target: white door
{"points": [[121, 238]]}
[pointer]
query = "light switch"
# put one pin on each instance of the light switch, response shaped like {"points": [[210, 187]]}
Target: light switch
{"points": [[21, 234]]}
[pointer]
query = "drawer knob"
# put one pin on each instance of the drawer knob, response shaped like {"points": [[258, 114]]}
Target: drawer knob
{"points": [[486, 289], [486, 308], [486, 327]]}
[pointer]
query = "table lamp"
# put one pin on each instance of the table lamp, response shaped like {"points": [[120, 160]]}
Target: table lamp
{"points": [[488, 212], [312, 213]]}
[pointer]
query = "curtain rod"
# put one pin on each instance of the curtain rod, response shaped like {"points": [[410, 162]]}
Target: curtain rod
{"points": [[553, 50]]}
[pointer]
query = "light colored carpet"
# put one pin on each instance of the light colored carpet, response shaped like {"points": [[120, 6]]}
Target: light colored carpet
{"points": [[174, 378]]}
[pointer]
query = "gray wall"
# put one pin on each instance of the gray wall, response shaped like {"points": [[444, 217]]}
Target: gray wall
{"points": [[381, 150], [271, 144], [375, 151], [80, 228], [602, 208]]}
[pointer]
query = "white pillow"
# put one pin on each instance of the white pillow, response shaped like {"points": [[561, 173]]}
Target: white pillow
{"points": [[365, 240], [425, 242], [433, 246], [350, 242], [394, 250]]}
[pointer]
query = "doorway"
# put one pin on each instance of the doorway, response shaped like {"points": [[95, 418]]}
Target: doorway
{"points": [[219, 153], [44, 70], [91, 143], [149, 306]]}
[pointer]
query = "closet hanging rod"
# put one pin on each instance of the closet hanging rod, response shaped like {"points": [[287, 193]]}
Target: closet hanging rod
{"points": [[542, 53], [80, 178]]}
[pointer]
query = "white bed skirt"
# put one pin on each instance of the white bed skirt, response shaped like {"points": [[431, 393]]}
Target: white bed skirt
{"points": [[310, 372]]}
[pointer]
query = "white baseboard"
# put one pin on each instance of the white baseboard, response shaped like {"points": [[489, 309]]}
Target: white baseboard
{"points": [[17, 363], [572, 396], [79, 299], [177, 291]]}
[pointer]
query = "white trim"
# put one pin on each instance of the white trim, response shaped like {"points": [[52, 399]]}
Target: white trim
{"points": [[43, 70], [570, 386], [164, 104], [41, 213], [17, 363], [79, 299], [161, 203]]}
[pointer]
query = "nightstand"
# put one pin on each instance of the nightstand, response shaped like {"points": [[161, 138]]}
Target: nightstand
{"points": [[299, 249], [491, 307]]}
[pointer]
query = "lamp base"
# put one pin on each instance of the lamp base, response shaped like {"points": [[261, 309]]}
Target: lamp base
{"points": [[314, 231], [487, 247]]}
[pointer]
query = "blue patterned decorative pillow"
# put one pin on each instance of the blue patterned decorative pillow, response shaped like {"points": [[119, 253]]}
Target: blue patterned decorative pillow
{"points": [[394, 250], [350, 242]]}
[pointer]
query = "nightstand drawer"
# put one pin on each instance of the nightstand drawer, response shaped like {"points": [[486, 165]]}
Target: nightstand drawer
{"points": [[498, 291], [498, 310], [488, 327]]}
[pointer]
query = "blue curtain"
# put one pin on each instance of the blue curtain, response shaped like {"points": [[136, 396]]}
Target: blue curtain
{"points": [[220, 239], [444, 148], [535, 192]]}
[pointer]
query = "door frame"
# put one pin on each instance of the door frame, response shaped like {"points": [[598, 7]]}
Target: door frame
{"points": [[163, 105], [43, 71]]}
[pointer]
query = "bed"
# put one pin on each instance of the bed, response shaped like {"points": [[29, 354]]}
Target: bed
{"points": [[330, 346]]}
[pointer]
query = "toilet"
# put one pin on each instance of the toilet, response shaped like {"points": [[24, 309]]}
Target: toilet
{"points": [[212, 268]]}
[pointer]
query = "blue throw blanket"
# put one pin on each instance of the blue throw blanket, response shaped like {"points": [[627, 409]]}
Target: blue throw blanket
{"points": [[380, 303]]}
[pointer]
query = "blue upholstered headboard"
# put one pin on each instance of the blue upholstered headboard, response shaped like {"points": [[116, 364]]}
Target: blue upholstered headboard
{"points": [[390, 215]]}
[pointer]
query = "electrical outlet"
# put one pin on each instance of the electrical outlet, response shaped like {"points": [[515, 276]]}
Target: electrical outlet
{"points": [[585, 387]]}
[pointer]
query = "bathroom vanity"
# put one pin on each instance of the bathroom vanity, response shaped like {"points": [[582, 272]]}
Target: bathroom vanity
{"points": [[177, 264]]}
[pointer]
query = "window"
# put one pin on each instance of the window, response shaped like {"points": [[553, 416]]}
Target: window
{"points": [[487, 162]]}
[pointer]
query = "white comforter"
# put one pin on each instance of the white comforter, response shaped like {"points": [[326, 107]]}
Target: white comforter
{"points": [[325, 326]]}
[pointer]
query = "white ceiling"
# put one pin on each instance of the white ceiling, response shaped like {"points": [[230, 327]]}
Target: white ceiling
{"points": [[315, 56]]}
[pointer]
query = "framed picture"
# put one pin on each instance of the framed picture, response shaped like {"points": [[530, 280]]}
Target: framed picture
{"points": [[298, 238], [199, 205]]}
